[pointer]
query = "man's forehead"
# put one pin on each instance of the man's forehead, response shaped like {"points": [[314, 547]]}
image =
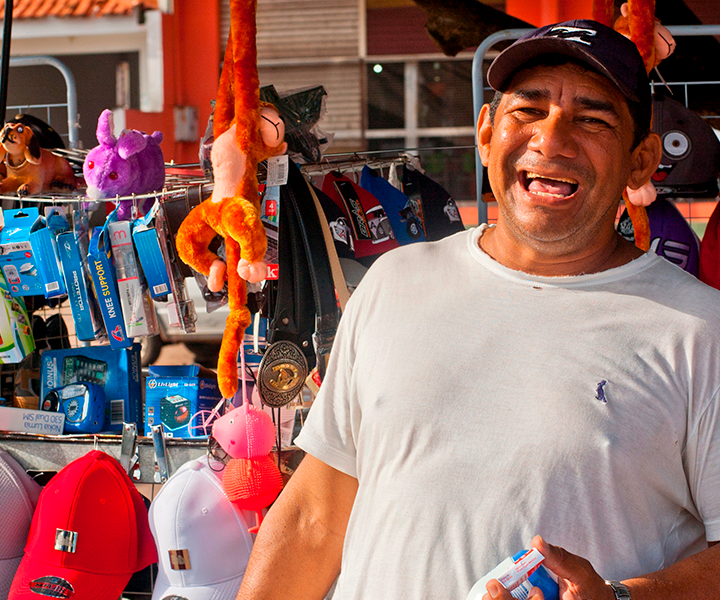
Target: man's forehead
{"points": [[536, 82]]}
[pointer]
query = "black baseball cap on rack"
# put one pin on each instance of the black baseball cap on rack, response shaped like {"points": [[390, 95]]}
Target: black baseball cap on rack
{"points": [[590, 43], [690, 162]]}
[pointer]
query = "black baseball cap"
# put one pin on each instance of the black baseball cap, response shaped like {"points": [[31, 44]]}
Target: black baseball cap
{"points": [[599, 47]]}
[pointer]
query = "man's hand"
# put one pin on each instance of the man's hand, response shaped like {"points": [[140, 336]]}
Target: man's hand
{"points": [[497, 592], [576, 577]]}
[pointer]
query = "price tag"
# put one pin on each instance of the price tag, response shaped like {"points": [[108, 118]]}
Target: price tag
{"points": [[277, 170]]}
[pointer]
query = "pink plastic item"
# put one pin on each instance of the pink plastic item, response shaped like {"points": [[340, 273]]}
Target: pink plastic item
{"points": [[245, 432]]}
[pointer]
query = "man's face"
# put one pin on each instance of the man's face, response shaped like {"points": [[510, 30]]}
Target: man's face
{"points": [[559, 156]]}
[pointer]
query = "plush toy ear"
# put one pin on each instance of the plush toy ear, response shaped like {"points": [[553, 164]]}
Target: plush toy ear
{"points": [[104, 131], [32, 151], [130, 142]]}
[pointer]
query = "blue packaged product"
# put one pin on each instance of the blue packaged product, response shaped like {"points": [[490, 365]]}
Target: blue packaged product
{"points": [[174, 395], [519, 574], [19, 264], [43, 241], [83, 405], [152, 260], [102, 273], [85, 312], [116, 372]]}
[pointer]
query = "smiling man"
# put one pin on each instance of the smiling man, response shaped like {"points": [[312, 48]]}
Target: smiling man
{"points": [[541, 376]]}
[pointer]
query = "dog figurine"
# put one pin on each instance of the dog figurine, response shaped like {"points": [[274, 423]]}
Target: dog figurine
{"points": [[30, 169]]}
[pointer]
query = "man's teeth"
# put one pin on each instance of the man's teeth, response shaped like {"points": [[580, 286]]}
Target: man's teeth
{"points": [[531, 175], [551, 187]]}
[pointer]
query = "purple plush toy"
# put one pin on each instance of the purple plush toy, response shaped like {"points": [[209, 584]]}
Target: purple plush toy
{"points": [[131, 164]]}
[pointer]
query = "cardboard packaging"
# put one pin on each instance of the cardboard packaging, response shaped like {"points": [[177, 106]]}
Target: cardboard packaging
{"points": [[85, 311], [31, 421], [43, 240], [149, 251], [117, 371], [174, 394], [18, 261], [137, 307], [16, 339], [104, 281]]}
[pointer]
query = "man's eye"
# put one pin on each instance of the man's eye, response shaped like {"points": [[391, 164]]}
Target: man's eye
{"points": [[529, 111], [594, 121]]}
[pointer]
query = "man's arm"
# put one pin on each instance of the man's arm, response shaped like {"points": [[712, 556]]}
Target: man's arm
{"points": [[694, 578], [299, 546]]}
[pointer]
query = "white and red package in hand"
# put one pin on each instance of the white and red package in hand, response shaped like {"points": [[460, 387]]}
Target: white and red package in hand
{"points": [[518, 574]]}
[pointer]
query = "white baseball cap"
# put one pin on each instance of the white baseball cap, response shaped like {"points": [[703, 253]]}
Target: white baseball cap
{"points": [[202, 538], [18, 498]]}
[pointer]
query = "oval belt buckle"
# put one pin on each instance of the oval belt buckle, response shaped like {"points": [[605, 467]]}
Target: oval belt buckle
{"points": [[282, 373]]}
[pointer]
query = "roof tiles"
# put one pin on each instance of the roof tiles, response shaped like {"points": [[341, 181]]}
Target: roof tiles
{"points": [[37, 9]]}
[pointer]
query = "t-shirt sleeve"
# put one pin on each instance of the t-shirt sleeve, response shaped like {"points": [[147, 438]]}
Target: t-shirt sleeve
{"points": [[330, 431], [703, 467]]}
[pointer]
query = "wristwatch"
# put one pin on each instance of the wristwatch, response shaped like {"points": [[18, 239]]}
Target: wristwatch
{"points": [[621, 590]]}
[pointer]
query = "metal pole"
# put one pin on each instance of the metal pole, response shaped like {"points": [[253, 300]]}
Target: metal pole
{"points": [[5, 61], [70, 90], [477, 79]]}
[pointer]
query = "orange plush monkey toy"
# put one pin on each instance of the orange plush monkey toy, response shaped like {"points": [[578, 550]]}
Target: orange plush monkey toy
{"points": [[654, 42], [246, 132]]}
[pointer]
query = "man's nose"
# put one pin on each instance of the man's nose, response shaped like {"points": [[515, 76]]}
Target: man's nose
{"points": [[553, 136]]}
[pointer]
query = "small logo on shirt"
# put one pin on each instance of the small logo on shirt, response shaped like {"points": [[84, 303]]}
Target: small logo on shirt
{"points": [[600, 391]]}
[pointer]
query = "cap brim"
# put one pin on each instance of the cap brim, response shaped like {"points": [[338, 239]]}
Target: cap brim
{"points": [[515, 57], [353, 271], [86, 586], [224, 590]]}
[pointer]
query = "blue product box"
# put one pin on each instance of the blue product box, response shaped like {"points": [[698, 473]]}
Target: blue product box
{"points": [[18, 261], [116, 371], [148, 249], [43, 241], [174, 394], [85, 312], [102, 273]]}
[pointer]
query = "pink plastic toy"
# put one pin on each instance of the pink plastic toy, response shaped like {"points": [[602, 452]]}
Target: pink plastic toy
{"points": [[251, 480], [245, 432]]}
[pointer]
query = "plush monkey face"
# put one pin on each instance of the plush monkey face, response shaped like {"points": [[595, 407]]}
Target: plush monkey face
{"points": [[272, 129]]}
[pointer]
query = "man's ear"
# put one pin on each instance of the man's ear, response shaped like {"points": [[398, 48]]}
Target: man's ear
{"points": [[645, 160], [484, 134]]}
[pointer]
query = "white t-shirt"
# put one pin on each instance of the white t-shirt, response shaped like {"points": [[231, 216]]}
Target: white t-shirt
{"points": [[479, 406]]}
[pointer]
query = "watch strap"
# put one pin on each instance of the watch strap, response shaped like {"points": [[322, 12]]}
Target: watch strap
{"points": [[620, 589]]}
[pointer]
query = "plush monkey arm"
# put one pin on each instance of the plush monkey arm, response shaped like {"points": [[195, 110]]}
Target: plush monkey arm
{"points": [[194, 238]]}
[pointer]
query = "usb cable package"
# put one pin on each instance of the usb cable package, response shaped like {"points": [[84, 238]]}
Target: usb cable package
{"points": [[137, 307]]}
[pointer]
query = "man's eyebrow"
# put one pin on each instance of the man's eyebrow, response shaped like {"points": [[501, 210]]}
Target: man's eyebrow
{"points": [[595, 104], [532, 94], [537, 94]]}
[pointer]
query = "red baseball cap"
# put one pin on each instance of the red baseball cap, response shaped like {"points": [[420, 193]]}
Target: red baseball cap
{"points": [[89, 534]]}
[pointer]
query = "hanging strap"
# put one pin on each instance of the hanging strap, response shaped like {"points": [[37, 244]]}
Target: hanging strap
{"points": [[305, 288], [341, 289]]}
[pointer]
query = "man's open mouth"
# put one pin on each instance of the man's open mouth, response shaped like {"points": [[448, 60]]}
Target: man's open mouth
{"points": [[553, 187]]}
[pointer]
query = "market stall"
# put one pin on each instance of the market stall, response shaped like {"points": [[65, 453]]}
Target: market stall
{"points": [[277, 236]]}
